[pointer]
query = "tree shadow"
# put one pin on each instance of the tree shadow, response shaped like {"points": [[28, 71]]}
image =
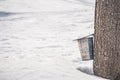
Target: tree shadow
{"points": [[5, 14]]}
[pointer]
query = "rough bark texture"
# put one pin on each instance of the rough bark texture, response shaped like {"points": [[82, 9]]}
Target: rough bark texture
{"points": [[107, 39]]}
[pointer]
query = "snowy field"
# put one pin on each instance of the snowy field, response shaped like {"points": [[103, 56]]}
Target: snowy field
{"points": [[36, 39]]}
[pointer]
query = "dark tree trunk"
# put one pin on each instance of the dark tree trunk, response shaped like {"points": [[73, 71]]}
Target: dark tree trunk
{"points": [[107, 39]]}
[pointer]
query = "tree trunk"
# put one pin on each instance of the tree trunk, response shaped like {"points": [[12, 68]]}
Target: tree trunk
{"points": [[107, 39]]}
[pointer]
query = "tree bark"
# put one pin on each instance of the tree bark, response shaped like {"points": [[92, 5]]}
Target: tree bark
{"points": [[107, 39]]}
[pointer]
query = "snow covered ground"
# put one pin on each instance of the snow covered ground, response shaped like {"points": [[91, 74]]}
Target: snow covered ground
{"points": [[36, 38]]}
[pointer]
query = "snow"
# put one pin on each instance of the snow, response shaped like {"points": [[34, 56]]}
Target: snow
{"points": [[36, 39], [86, 67]]}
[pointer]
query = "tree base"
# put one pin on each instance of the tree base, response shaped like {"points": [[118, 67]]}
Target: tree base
{"points": [[118, 77]]}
